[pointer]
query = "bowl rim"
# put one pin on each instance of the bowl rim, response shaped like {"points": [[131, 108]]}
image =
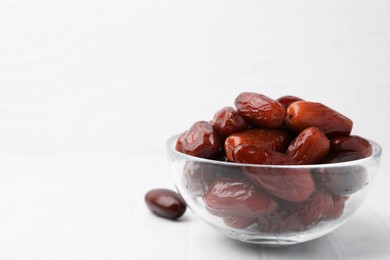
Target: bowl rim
{"points": [[375, 156]]}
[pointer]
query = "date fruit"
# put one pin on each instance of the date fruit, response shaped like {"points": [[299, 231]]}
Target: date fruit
{"points": [[304, 114], [197, 176], [288, 184], [236, 197], [309, 147], [165, 203], [238, 222], [179, 142], [201, 140], [351, 143], [227, 121], [338, 207], [286, 101], [274, 139], [298, 216], [343, 180], [260, 110]]}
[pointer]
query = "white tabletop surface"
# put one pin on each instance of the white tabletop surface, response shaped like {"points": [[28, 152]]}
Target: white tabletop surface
{"points": [[91, 90]]}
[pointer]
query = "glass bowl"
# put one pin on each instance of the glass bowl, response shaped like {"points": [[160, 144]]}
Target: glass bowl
{"points": [[268, 204]]}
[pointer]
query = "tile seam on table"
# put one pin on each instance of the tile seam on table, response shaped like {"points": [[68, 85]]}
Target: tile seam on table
{"points": [[334, 246], [56, 234], [122, 234]]}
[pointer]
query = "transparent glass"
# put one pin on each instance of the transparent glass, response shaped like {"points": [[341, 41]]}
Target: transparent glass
{"points": [[340, 189]]}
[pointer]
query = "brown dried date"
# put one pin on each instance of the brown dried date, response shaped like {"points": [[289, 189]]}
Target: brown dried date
{"points": [[179, 142], [304, 114], [351, 143], [286, 101], [252, 154], [227, 121], [309, 147], [200, 140], [165, 203], [238, 222], [260, 110], [197, 177], [235, 197], [274, 139], [342, 180], [298, 216], [342, 157], [288, 184], [338, 207]]}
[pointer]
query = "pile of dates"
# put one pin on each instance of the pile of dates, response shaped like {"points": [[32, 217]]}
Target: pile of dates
{"points": [[276, 133]]}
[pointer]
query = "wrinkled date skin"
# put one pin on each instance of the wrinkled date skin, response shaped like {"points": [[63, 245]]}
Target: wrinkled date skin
{"points": [[197, 176], [227, 121], [298, 216], [238, 222], [338, 207], [165, 203], [260, 110], [232, 197], [288, 184], [200, 140], [351, 143], [286, 101], [309, 147], [277, 140], [304, 114]]}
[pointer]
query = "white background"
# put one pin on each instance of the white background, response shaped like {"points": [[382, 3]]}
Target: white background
{"points": [[90, 91]]}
